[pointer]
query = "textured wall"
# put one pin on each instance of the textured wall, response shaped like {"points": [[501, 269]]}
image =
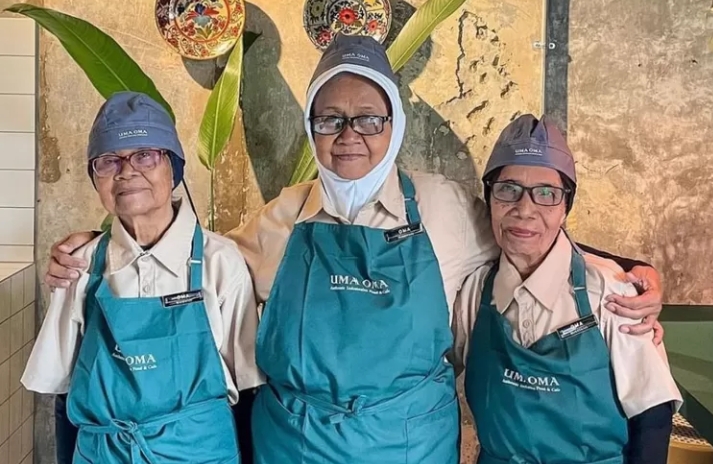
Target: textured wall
{"points": [[640, 122], [476, 71]]}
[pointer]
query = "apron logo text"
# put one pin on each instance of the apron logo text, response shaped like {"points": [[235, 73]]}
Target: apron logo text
{"points": [[345, 282], [142, 362], [531, 382]]}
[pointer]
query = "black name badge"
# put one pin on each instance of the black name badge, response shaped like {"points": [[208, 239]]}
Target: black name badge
{"points": [[403, 232], [577, 327], [178, 299]]}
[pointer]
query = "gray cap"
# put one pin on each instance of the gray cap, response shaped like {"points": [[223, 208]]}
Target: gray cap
{"points": [[356, 50], [529, 142], [129, 120]]}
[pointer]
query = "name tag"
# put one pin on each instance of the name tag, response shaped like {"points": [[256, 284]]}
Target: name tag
{"points": [[403, 232], [577, 327], [178, 299]]}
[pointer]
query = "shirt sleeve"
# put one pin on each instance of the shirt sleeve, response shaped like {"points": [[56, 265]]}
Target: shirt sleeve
{"points": [[49, 368], [641, 371], [479, 247], [240, 321], [465, 312]]}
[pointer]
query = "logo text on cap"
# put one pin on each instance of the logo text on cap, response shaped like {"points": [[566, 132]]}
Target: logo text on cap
{"points": [[532, 151], [133, 133], [355, 56]]}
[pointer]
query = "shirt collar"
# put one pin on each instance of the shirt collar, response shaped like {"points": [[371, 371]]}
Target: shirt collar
{"points": [[173, 249], [544, 284], [390, 197]]}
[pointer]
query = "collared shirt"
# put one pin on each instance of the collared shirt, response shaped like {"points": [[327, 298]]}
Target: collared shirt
{"points": [[455, 222], [544, 302], [163, 270]]}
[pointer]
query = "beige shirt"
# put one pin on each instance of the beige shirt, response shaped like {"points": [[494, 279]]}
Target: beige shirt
{"points": [[162, 270], [455, 223], [544, 302]]}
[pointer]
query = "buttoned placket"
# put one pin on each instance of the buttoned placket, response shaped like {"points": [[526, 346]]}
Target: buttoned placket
{"points": [[526, 321], [146, 269]]}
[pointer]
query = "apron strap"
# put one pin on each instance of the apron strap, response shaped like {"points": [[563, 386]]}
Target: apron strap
{"points": [[578, 276], [196, 260], [99, 259], [412, 215], [486, 296]]}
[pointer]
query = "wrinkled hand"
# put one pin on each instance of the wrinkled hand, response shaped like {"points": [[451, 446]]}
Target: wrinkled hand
{"points": [[63, 269], [658, 333], [646, 306]]}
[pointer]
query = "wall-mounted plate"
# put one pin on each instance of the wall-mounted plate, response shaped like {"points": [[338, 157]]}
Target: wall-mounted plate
{"points": [[325, 18], [200, 29]]}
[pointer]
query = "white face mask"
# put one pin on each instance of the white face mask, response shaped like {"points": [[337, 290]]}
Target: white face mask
{"points": [[346, 195]]}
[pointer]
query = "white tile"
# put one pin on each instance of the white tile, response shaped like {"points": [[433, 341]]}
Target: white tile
{"points": [[16, 411], [28, 323], [29, 459], [17, 113], [4, 422], [15, 443], [5, 299], [4, 340], [17, 189], [16, 332], [18, 292], [28, 403], [17, 226], [18, 75], [17, 36], [17, 150], [17, 253], [4, 383], [5, 452], [30, 284], [27, 437], [17, 366]]}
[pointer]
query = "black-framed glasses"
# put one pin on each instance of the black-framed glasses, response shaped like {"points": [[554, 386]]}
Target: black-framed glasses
{"points": [[141, 160], [512, 192], [363, 125]]}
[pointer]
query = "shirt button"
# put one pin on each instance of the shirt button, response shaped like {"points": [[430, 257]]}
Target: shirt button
{"points": [[526, 324], [146, 288]]}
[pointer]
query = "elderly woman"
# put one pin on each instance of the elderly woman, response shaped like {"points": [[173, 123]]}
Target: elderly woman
{"points": [[154, 341], [549, 376], [358, 272]]}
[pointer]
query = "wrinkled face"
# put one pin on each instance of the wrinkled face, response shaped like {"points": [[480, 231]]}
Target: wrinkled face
{"points": [[522, 228], [349, 154], [137, 187]]}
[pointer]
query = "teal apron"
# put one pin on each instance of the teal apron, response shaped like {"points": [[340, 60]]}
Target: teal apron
{"points": [[353, 342], [554, 402], [148, 385]]}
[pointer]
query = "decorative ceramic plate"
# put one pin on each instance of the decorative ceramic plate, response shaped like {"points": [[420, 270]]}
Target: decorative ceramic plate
{"points": [[325, 18], [200, 29]]}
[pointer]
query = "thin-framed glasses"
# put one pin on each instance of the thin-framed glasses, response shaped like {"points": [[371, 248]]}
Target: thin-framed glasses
{"points": [[363, 125], [141, 161], [512, 192]]}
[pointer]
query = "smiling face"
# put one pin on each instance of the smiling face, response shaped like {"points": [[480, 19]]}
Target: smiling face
{"points": [[524, 230], [131, 193], [348, 154]]}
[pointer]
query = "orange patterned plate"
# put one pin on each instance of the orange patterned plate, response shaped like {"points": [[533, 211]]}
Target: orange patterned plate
{"points": [[200, 29], [324, 18]]}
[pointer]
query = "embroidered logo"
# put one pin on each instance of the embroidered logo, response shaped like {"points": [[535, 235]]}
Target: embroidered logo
{"points": [[340, 282], [133, 133], [548, 384], [142, 362]]}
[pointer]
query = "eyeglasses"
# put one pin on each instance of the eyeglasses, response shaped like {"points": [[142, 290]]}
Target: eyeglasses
{"points": [[363, 125], [142, 161], [543, 195]]}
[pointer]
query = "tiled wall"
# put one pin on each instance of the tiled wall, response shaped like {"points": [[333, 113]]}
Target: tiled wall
{"points": [[17, 331], [17, 139]]}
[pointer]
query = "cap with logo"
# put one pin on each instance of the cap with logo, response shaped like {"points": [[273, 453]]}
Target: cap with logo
{"points": [[528, 141], [131, 120], [355, 50]]}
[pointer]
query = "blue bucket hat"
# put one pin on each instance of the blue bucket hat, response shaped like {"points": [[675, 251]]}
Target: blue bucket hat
{"points": [[130, 120], [528, 141]]}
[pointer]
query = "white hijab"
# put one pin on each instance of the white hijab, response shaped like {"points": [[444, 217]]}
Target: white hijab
{"points": [[349, 196]]}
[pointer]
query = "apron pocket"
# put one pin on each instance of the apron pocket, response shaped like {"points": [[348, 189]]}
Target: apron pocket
{"points": [[433, 437]]}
